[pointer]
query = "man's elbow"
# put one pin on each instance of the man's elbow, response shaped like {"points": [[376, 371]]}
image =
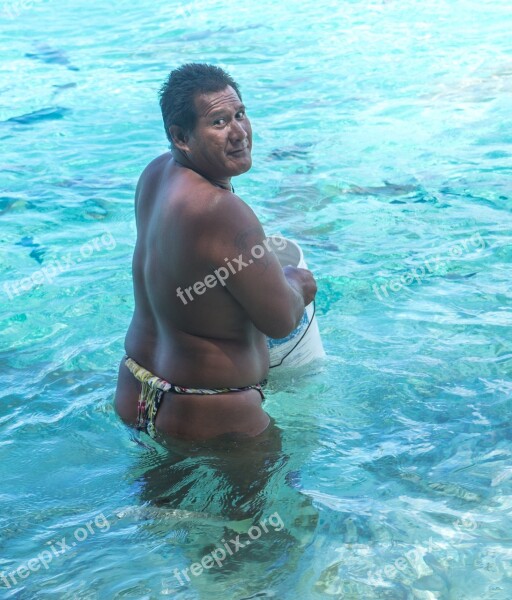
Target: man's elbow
{"points": [[279, 328]]}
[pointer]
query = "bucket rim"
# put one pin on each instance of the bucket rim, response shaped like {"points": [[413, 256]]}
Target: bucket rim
{"points": [[292, 242]]}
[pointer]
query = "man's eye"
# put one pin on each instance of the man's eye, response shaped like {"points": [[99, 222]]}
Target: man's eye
{"points": [[219, 121], [241, 114]]}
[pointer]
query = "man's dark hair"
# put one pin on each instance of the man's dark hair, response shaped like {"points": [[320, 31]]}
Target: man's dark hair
{"points": [[183, 84]]}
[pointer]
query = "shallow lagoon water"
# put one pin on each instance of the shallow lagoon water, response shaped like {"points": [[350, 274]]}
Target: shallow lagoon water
{"points": [[382, 145]]}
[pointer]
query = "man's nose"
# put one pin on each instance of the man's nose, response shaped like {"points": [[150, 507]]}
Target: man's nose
{"points": [[238, 131]]}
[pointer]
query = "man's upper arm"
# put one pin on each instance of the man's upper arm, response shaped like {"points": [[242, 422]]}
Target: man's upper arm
{"points": [[253, 274]]}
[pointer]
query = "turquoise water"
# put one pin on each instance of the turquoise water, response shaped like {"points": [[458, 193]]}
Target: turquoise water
{"points": [[382, 144]]}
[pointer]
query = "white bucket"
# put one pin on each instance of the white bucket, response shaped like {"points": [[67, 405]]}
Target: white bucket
{"points": [[303, 344]]}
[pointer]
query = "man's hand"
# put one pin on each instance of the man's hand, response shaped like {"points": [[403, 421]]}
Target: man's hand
{"points": [[303, 281]]}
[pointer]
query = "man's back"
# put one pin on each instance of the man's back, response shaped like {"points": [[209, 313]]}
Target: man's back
{"points": [[194, 340]]}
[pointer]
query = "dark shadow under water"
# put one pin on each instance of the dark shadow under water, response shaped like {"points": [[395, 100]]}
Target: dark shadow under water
{"points": [[221, 477], [218, 491]]}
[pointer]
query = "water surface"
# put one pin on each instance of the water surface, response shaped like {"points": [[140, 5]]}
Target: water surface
{"points": [[382, 145]]}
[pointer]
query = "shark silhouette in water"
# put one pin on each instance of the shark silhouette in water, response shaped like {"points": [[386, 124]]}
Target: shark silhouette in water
{"points": [[201, 35], [37, 252], [415, 192], [388, 189], [298, 150], [59, 88], [44, 114], [51, 56], [14, 202]]}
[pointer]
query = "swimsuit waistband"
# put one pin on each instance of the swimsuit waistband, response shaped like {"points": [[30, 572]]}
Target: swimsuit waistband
{"points": [[145, 376]]}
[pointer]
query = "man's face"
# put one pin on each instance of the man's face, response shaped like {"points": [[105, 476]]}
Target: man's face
{"points": [[221, 143]]}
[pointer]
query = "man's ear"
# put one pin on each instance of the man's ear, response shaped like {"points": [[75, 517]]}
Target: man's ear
{"points": [[179, 137]]}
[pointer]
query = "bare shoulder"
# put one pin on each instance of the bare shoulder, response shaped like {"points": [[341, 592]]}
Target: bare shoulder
{"points": [[230, 226], [149, 175], [155, 166], [229, 214]]}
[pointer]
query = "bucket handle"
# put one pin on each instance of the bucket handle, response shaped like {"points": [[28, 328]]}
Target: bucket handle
{"points": [[300, 339]]}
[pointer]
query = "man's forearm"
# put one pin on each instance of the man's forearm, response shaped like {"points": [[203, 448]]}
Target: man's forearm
{"points": [[296, 300]]}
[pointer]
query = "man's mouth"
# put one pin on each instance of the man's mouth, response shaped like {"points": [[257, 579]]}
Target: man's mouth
{"points": [[239, 151]]}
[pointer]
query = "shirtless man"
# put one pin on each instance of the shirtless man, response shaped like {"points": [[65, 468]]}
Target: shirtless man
{"points": [[208, 341]]}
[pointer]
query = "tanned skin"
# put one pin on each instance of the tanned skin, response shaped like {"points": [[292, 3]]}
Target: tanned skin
{"points": [[186, 227]]}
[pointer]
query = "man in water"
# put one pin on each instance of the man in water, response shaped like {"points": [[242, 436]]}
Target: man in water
{"points": [[204, 297]]}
